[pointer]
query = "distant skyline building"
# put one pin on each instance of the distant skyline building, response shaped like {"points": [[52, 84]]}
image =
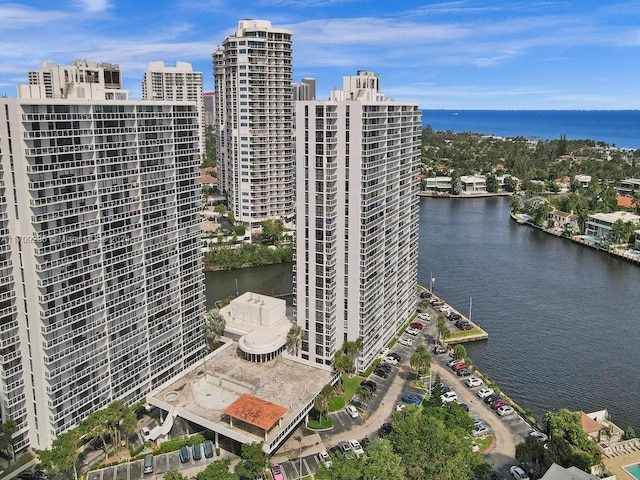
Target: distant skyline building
{"points": [[357, 218], [208, 99], [305, 90], [82, 80], [179, 83], [102, 285], [252, 75]]}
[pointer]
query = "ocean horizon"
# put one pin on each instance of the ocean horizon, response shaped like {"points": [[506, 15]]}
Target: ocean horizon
{"points": [[618, 128]]}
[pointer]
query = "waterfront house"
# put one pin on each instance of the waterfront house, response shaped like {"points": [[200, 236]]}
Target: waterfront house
{"points": [[600, 225], [438, 184], [637, 242], [629, 186], [473, 183], [564, 221]]}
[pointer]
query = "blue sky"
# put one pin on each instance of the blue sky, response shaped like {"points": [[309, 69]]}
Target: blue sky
{"points": [[468, 54]]}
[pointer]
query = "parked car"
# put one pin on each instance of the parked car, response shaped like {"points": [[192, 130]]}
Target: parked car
{"points": [[424, 316], [454, 316], [352, 411], [412, 331], [385, 430], [345, 448], [491, 398], [425, 294], [464, 372], [444, 388], [439, 350], [391, 360], [395, 355], [480, 431], [499, 403], [277, 472], [407, 342], [385, 366], [477, 421], [484, 392], [400, 407], [196, 451], [381, 373], [474, 382], [459, 366], [370, 385], [184, 455], [518, 473], [505, 410], [539, 435], [356, 448], [365, 442], [417, 325], [412, 398], [449, 397], [208, 449], [325, 459], [437, 303], [464, 406], [453, 362]]}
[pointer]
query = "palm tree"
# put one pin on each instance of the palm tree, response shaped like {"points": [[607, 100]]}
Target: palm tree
{"points": [[351, 350], [341, 364], [365, 395], [459, 351], [295, 337], [322, 401], [420, 360], [214, 325], [617, 231]]}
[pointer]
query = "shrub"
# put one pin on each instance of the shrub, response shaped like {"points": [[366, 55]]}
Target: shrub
{"points": [[177, 443]]}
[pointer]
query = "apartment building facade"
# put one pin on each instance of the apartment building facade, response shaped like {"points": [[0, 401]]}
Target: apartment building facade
{"points": [[102, 276], [252, 75], [357, 218], [179, 83]]}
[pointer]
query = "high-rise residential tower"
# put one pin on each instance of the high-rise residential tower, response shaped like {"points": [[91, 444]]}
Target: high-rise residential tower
{"points": [[252, 73], [357, 218], [180, 83], [102, 286]]}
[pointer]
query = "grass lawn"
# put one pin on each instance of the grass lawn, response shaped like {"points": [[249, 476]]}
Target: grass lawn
{"points": [[484, 443], [325, 423], [350, 386], [466, 333]]}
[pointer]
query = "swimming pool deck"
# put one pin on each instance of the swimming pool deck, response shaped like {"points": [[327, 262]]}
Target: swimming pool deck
{"points": [[620, 456]]}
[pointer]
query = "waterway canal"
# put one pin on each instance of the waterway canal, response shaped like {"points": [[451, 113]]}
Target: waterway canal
{"points": [[563, 320]]}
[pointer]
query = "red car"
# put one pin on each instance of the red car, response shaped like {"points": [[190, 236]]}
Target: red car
{"points": [[498, 403], [417, 325], [459, 366]]}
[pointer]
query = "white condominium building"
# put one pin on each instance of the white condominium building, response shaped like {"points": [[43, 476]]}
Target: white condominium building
{"points": [[252, 73], [101, 296], [82, 80], [179, 83], [357, 218]]}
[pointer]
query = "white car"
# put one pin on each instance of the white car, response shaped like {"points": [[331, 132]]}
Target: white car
{"points": [[539, 435], [391, 360], [485, 392], [407, 342], [352, 411], [424, 316], [324, 458], [518, 473], [474, 382], [505, 410], [480, 431], [474, 447], [444, 308], [356, 448], [400, 407], [449, 397], [412, 331]]}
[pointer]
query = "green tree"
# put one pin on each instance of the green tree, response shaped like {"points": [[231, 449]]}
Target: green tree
{"points": [[272, 230], [443, 329], [295, 337], [568, 444], [380, 462], [220, 209], [7, 429], [420, 360], [510, 184], [365, 395], [628, 433], [459, 351], [532, 452], [341, 364], [174, 475], [253, 461], [218, 470], [436, 393], [322, 401], [62, 457], [492, 183], [617, 231], [214, 325]]}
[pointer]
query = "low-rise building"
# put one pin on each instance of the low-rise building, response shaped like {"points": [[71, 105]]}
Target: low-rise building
{"points": [[564, 221], [629, 186], [600, 225], [438, 184], [584, 180], [473, 183]]}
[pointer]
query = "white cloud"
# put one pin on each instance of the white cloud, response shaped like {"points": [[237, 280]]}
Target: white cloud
{"points": [[93, 6]]}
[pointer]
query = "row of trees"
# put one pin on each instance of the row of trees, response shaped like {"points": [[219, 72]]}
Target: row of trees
{"points": [[428, 441], [110, 425], [248, 255]]}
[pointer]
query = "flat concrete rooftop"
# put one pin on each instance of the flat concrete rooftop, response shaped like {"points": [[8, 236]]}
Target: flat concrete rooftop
{"points": [[208, 387]]}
